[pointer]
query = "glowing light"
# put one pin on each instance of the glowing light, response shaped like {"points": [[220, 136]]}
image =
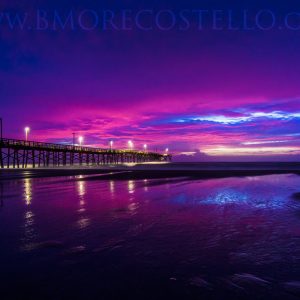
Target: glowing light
{"points": [[80, 139], [145, 147], [27, 130], [167, 150], [111, 144], [130, 145]]}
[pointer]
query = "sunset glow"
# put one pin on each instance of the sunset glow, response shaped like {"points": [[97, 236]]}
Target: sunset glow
{"points": [[257, 151], [183, 90]]}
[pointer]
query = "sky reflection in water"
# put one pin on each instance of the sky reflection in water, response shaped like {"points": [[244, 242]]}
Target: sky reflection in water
{"points": [[162, 229]]}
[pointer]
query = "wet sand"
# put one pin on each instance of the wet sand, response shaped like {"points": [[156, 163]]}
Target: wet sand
{"points": [[71, 238], [159, 170]]}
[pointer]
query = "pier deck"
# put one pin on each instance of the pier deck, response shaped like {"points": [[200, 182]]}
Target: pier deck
{"points": [[23, 154]]}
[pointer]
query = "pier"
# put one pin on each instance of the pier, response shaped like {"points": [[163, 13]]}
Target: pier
{"points": [[23, 154]]}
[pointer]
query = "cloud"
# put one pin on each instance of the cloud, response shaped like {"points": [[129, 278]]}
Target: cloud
{"points": [[211, 90], [248, 117], [194, 156]]}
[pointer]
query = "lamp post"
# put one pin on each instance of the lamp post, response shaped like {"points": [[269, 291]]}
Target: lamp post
{"points": [[80, 139], [111, 144], [27, 129], [130, 144], [145, 147], [167, 150]]}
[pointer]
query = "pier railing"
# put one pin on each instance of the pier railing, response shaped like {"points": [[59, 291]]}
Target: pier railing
{"points": [[51, 146], [18, 153]]}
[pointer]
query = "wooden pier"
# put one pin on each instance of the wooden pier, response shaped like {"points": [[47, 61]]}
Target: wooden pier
{"points": [[24, 154]]}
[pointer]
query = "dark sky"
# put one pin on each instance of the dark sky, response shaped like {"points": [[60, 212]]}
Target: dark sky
{"points": [[209, 78]]}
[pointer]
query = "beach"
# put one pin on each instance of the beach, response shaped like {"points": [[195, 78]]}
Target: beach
{"points": [[91, 236], [159, 170]]}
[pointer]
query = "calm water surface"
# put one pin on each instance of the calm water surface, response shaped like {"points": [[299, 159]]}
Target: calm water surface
{"points": [[75, 237]]}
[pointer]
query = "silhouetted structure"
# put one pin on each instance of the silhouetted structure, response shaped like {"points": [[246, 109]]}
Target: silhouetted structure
{"points": [[21, 154]]}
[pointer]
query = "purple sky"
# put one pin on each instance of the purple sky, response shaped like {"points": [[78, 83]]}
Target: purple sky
{"points": [[205, 94]]}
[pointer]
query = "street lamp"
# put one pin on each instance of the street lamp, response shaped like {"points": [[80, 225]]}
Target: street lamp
{"points": [[130, 144], [167, 150], [80, 139], [111, 144], [27, 129], [145, 147]]}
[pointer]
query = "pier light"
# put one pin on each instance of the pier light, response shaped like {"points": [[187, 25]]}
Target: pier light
{"points": [[130, 144], [111, 144], [27, 130], [145, 147], [167, 150], [80, 139]]}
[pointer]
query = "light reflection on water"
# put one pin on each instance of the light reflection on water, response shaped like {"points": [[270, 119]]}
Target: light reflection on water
{"points": [[133, 204], [178, 228], [131, 186], [83, 220], [112, 187], [27, 191], [145, 185], [30, 235]]}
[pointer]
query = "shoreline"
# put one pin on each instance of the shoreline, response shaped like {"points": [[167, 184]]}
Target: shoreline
{"points": [[149, 171]]}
